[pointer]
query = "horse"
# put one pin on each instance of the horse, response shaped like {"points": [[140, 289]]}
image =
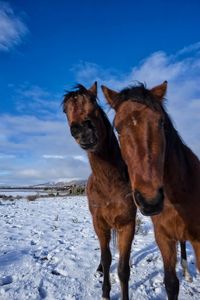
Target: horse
{"points": [[164, 172], [108, 189]]}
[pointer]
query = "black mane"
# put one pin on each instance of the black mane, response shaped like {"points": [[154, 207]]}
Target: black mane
{"points": [[113, 146], [140, 94], [79, 89]]}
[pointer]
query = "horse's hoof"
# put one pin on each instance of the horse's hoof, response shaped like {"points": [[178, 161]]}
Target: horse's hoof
{"points": [[98, 274], [105, 298], [188, 278]]}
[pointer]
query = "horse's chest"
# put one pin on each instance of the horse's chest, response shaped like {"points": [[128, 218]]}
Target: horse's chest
{"points": [[171, 224], [117, 218], [119, 213], [184, 226]]}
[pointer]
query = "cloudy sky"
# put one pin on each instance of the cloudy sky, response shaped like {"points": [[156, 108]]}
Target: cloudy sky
{"points": [[48, 46]]}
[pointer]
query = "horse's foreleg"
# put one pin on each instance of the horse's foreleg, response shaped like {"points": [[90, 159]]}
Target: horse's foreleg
{"points": [[184, 263], [196, 247], [125, 237], [168, 251], [104, 240], [100, 268]]}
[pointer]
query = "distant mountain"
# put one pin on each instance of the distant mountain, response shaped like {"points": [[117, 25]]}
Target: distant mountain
{"points": [[44, 184], [62, 183], [81, 182], [78, 182]]}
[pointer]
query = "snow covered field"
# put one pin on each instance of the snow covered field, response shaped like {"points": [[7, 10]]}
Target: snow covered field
{"points": [[48, 250]]}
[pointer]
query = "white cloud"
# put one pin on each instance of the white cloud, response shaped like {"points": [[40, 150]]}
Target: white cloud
{"points": [[53, 156], [158, 67], [32, 99], [12, 28], [80, 157], [29, 173], [189, 49], [87, 72]]}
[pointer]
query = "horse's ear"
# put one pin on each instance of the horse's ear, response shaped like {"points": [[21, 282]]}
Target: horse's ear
{"points": [[159, 91], [93, 89], [110, 96]]}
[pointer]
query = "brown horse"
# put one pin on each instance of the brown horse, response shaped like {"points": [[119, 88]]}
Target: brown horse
{"points": [[164, 172], [108, 189]]}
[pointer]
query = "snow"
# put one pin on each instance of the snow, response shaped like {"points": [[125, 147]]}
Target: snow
{"points": [[48, 250]]}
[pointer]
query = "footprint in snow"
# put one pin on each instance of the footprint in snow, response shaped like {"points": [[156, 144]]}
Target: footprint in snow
{"points": [[113, 277], [42, 291], [6, 280]]}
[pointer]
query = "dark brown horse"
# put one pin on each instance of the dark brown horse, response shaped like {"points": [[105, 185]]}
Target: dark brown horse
{"points": [[164, 172], [108, 189]]}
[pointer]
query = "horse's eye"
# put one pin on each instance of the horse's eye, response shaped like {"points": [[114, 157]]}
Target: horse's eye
{"points": [[134, 121], [118, 131], [161, 123]]}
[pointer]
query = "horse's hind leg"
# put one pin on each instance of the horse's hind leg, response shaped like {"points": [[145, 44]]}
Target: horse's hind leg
{"points": [[125, 237], [184, 263], [104, 240], [168, 251]]}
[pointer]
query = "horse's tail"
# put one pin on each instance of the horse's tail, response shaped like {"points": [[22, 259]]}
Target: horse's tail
{"points": [[184, 263]]}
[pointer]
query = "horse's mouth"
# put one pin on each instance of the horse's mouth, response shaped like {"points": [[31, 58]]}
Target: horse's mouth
{"points": [[151, 210], [149, 207], [89, 146]]}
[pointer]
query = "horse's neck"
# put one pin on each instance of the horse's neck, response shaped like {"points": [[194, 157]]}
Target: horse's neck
{"points": [[180, 162], [182, 169], [107, 160]]}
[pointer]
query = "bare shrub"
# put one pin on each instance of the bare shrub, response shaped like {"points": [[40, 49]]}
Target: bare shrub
{"points": [[5, 197], [32, 197], [138, 227]]}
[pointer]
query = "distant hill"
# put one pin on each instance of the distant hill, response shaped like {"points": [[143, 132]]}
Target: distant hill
{"points": [[81, 182], [61, 184], [78, 182]]}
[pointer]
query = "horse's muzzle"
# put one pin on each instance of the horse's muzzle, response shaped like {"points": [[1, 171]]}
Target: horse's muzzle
{"points": [[150, 207]]}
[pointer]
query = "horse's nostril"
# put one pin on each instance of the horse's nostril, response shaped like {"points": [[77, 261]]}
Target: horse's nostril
{"points": [[75, 129], [82, 128], [161, 193], [139, 198], [88, 124]]}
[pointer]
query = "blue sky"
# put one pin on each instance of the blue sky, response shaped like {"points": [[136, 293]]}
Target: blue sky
{"points": [[48, 46]]}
